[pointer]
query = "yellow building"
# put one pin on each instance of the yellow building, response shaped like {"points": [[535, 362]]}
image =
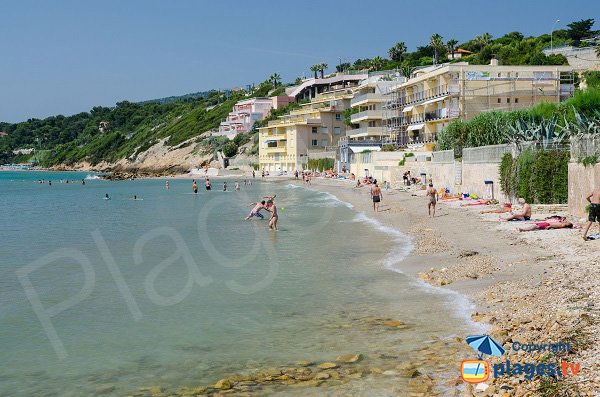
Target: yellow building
{"points": [[285, 143], [416, 110]]}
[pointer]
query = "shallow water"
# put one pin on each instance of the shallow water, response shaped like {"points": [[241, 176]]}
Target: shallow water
{"points": [[177, 290]]}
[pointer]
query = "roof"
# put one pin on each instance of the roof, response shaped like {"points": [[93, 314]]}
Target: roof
{"points": [[463, 51]]}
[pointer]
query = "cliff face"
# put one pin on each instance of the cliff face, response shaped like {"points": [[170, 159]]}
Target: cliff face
{"points": [[159, 159]]}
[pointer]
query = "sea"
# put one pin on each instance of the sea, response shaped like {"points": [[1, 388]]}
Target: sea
{"points": [[175, 289]]}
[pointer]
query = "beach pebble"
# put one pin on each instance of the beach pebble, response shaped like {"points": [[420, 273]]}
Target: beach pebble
{"points": [[349, 358], [327, 365], [223, 384]]}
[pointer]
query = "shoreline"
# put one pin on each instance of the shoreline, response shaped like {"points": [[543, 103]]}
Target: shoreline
{"points": [[514, 281]]}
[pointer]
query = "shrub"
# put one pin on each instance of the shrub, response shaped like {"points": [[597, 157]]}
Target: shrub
{"points": [[388, 148], [229, 149]]}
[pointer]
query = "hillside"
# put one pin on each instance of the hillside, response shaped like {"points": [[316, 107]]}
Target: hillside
{"points": [[129, 131]]}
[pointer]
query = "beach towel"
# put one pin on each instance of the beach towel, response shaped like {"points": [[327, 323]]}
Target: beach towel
{"points": [[594, 237]]}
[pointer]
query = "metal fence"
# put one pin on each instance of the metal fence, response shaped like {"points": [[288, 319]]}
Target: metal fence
{"points": [[585, 146], [443, 156]]}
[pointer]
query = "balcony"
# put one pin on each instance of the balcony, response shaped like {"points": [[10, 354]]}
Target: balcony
{"points": [[274, 149], [367, 115], [425, 95], [367, 98], [366, 132], [434, 115]]}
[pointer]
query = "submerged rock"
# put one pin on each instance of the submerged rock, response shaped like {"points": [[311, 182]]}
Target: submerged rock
{"points": [[349, 358], [327, 365], [223, 384]]}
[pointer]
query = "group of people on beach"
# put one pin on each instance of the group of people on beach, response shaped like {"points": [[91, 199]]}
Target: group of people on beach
{"points": [[208, 185], [268, 205]]}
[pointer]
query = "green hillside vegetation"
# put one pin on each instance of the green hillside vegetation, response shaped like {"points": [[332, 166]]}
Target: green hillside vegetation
{"points": [[132, 129]]}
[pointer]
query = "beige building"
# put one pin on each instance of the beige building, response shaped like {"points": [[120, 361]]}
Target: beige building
{"points": [[416, 110], [318, 125]]}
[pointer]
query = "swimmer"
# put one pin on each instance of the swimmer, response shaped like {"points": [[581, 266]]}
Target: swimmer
{"points": [[195, 186], [237, 185], [207, 184], [256, 210], [83, 181], [167, 185], [106, 197], [225, 186], [272, 208]]}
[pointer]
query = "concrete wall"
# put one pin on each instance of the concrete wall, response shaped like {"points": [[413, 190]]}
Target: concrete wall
{"points": [[444, 175], [582, 180]]}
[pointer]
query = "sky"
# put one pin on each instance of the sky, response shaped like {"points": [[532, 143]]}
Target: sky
{"points": [[66, 56]]}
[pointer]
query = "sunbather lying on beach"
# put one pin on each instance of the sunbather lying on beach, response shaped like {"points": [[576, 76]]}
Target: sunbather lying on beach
{"points": [[544, 225], [524, 215], [506, 207], [480, 202]]}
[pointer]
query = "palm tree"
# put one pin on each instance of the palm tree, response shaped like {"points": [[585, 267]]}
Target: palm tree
{"points": [[376, 63], [406, 70], [322, 67], [437, 44], [483, 40], [315, 69], [397, 51], [275, 79], [451, 46]]}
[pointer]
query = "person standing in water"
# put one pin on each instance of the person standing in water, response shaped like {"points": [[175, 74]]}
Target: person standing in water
{"points": [[432, 196], [272, 208], [167, 185], [253, 174], [207, 184], [195, 187], [237, 185], [225, 186], [376, 196]]}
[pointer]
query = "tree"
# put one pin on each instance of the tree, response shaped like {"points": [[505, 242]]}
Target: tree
{"points": [[451, 45], [376, 63], [343, 66], [322, 67], [483, 40], [437, 44], [275, 79], [229, 149], [397, 51], [579, 30], [597, 49], [315, 69]]}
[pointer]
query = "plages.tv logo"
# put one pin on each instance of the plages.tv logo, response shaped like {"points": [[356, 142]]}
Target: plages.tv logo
{"points": [[477, 371]]}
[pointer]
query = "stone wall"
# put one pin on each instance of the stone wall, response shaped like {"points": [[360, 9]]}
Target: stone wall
{"points": [[582, 180]]}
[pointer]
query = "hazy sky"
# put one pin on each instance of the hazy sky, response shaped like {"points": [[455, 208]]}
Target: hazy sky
{"points": [[65, 56]]}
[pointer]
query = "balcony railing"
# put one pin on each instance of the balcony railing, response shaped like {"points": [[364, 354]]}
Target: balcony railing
{"points": [[369, 97], [432, 93], [367, 131], [433, 115], [367, 114]]}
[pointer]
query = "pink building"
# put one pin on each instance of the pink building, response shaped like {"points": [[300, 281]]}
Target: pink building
{"points": [[245, 113]]}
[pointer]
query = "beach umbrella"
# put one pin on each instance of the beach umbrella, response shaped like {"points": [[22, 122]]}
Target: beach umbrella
{"points": [[485, 345]]}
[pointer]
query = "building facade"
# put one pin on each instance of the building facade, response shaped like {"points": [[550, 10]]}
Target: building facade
{"points": [[245, 113], [285, 143], [415, 111]]}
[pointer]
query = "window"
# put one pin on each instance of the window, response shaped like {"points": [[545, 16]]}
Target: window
{"points": [[338, 116], [314, 130], [324, 142], [337, 130], [507, 100], [499, 100], [314, 142], [516, 100], [324, 130]]}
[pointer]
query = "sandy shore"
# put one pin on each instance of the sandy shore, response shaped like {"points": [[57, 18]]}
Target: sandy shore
{"points": [[534, 287]]}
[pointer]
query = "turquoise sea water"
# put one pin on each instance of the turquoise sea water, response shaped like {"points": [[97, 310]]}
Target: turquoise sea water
{"points": [[178, 290]]}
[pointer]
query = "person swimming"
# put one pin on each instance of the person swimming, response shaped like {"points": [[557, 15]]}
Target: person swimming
{"points": [[207, 184], [106, 197], [225, 186], [195, 186]]}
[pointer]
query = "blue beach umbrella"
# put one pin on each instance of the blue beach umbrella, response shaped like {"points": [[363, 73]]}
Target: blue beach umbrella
{"points": [[485, 345]]}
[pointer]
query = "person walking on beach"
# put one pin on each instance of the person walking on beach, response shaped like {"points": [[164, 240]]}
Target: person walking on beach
{"points": [[194, 186], [594, 212], [376, 196], [253, 174], [272, 208], [433, 196], [207, 184]]}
